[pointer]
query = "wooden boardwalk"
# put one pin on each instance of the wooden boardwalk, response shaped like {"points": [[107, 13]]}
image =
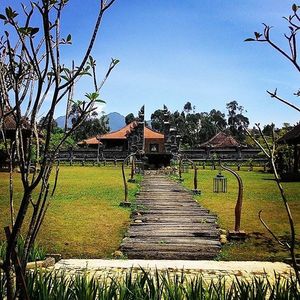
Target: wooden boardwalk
{"points": [[170, 224]]}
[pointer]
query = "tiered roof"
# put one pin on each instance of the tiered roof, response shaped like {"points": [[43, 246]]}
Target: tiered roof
{"points": [[221, 140]]}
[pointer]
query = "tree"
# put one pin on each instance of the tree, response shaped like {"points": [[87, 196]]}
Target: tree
{"points": [[268, 129], [91, 126], [187, 107], [129, 118], [57, 134], [157, 120], [218, 119], [196, 128], [291, 55], [31, 65], [236, 120]]}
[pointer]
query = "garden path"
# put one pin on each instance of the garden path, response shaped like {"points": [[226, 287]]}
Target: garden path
{"points": [[170, 224]]}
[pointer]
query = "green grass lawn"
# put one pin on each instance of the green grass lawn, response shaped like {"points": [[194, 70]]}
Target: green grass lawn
{"points": [[84, 218], [260, 193]]}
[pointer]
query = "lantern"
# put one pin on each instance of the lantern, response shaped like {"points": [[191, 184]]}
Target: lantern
{"points": [[220, 183]]}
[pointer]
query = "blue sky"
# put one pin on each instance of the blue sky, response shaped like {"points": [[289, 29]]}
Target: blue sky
{"points": [[175, 51]]}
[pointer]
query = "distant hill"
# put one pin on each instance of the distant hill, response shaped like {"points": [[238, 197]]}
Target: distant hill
{"points": [[61, 122], [115, 121]]}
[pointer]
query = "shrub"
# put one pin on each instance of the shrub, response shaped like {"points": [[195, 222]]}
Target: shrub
{"points": [[160, 285]]}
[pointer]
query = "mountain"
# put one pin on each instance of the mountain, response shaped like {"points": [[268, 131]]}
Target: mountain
{"points": [[115, 121], [61, 122]]}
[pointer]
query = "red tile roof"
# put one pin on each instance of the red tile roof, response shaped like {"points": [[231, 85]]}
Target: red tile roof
{"points": [[90, 141], [122, 134], [152, 134]]}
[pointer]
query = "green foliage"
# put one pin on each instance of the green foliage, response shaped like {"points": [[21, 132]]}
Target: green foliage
{"points": [[36, 253], [236, 120], [57, 136], [193, 127], [129, 118], [157, 120], [92, 125], [160, 285]]}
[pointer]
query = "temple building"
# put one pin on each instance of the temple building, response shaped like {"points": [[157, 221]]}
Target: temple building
{"points": [[222, 146], [157, 147], [160, 147]]}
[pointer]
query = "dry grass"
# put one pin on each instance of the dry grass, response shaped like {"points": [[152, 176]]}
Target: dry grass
{"points": [[84, 218], [260, 193]]}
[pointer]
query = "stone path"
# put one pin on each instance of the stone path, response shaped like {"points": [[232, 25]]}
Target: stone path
{"points": [[170, 224]]}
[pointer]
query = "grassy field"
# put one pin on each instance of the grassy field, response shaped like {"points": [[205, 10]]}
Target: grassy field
{"points": [[260, 193], [84, 218]]}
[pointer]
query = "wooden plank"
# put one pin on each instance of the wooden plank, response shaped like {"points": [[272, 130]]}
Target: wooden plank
{"points": [[171, 224], [170, 255], [157, 240]]}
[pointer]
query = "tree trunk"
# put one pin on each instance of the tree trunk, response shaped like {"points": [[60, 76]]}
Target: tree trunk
{"points": [[10, 281]]}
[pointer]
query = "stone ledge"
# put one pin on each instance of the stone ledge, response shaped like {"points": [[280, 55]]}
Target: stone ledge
{"points": [[206, 267]]}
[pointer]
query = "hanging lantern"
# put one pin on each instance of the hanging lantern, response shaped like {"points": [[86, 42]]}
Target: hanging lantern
{"points": [[220, 183]]}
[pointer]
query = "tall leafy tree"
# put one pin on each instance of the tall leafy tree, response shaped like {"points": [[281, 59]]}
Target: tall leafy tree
{"points": [[92, 125], [157, 120], [218, 119], [236, 120], [187, 107]]}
